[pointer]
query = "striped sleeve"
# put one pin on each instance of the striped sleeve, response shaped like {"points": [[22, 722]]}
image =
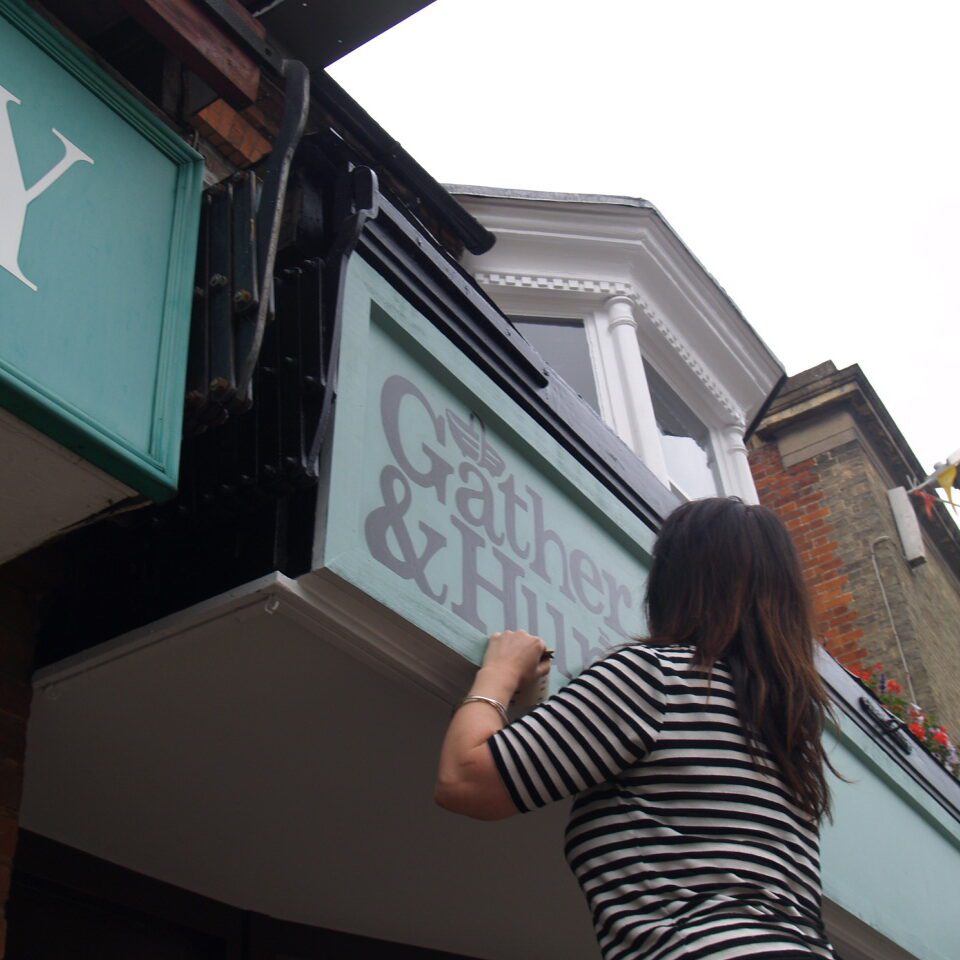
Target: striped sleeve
{"points": [[598, 725]]}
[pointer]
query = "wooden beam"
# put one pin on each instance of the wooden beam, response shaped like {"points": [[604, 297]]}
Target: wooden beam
{"points": [[231, 133], [186, 30]]}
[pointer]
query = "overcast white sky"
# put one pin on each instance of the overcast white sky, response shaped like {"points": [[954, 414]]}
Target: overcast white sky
{"points": [[807, 153]]}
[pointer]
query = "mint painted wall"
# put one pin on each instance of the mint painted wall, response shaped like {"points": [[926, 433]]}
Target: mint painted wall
{"points": [[95, 244], [892, 854], [95, 355]]}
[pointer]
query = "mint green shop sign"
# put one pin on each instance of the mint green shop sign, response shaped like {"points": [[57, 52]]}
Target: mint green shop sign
{"points": [[450, 506], [99, 205]]}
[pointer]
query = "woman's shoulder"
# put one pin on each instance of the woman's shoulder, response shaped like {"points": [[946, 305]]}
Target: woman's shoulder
{"points": [[667, 651], [659, 658], [677, 659], [672, 669]]}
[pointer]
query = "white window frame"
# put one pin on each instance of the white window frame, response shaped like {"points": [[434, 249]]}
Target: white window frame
{"points": [[627, 410], [592, 335], [704, 412]]}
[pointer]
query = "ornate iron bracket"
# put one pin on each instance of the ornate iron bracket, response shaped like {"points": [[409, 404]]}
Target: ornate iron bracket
{"points": [[269, 214], [887, 725], [364, 206]]}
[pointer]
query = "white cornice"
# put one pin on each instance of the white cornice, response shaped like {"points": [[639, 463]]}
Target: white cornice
{"points": [[686, 353], [579, 252], [600, 290]]}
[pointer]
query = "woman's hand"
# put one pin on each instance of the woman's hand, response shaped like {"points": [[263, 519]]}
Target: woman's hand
{"points": [[468, 781], [517, 656]]}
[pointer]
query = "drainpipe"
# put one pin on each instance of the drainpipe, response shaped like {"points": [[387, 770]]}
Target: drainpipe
{"points": [[893, 626]]}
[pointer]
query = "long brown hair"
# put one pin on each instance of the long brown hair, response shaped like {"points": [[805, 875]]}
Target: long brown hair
{"points": [[726, 577]]}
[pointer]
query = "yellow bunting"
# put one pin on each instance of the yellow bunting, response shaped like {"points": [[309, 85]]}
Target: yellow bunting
{"points": [[946, 478]]}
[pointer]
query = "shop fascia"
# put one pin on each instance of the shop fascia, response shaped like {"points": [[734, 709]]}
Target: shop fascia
{"points": [[454, 495]]}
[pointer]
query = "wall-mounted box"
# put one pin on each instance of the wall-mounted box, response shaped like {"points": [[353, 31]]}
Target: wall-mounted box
{"points": [[908, 527]]}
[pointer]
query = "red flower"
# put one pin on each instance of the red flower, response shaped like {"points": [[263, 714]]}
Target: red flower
{"points": [[878, 667], [917, 730], [940, 736], [894, 687]]}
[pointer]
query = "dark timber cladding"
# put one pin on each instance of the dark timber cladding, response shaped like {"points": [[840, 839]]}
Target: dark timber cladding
{"points": [[191, 34]]}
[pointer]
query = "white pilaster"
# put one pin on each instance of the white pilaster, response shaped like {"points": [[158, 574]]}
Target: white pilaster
{"points": [[632, 409], [737, 463]]}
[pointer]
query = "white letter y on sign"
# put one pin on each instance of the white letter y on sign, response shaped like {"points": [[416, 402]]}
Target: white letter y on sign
{"points": [[15, 196]]}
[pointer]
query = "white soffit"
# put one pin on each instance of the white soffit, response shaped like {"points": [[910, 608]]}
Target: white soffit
{"points": [[252, 751], [45, 488], [275, 748], [598, 246]]}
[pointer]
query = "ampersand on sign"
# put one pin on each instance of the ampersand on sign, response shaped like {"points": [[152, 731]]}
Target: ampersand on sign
{"points": [[410, 564]]}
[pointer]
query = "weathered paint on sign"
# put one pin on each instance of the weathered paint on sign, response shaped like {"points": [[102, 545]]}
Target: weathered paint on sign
{"points": [[100, 204], [449, 505]]}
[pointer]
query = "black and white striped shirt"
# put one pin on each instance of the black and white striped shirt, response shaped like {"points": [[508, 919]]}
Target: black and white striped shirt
{"points": [[683, 848]]}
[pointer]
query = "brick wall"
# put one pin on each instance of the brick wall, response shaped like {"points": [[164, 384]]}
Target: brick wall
{"points": [[924, 601], [17, 634], [836, 507], [797, 495]]}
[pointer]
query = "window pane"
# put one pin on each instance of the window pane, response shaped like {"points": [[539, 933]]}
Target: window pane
{"points": [[563, 344], [686, 440]]}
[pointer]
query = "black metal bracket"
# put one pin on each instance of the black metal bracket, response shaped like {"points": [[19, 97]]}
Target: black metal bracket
{"points": [[269, 214], [887, 724], [347, 112], [364, 206]]}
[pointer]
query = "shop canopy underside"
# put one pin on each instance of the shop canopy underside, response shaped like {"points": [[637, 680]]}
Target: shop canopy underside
{"points": [[273, 749]]}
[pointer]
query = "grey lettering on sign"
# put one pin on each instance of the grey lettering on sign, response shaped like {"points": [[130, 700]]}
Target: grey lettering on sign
{"points": [[496, 544], [411, 564], [395, 391]]}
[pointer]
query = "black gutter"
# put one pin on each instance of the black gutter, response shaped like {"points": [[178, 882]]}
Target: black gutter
{"points": [[764, 407], [388, 152]]}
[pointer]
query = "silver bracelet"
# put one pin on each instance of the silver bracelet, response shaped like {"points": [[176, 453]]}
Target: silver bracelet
{"points": [[496, 704]]}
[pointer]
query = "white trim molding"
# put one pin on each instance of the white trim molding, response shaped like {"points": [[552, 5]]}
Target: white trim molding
{"points": [[616, 264], [582, 285]]}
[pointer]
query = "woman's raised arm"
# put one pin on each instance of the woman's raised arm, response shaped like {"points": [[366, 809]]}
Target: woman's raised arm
{"points": [[468, 781]]}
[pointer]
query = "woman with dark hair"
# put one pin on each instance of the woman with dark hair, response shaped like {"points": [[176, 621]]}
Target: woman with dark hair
{"points": [[695, 755]]}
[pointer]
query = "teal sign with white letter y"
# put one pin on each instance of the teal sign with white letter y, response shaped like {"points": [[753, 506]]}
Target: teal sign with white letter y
{"points": [[99, 208], [15, 195]]}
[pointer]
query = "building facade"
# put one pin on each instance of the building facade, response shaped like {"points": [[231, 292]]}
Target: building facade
{"points": [[625, 312], [225, 685], [824, 458]]}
